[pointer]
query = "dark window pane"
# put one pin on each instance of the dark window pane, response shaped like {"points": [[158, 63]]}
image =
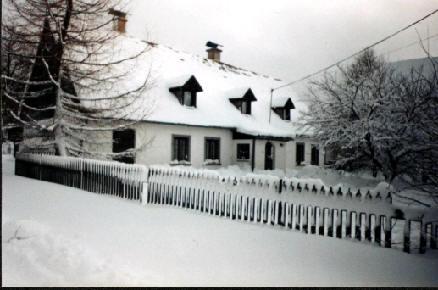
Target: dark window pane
{"points": [[315, 154], [243, 151], [122, 141], [181, 148], [212, 149], [300, 153]]}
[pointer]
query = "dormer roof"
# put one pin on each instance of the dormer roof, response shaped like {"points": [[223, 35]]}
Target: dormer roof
{"points": [[186, 82], [242, 94], [169, 68], [282, 102]]}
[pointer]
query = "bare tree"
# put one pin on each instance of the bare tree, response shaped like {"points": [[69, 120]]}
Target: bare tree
{"points": [[78, 77]]}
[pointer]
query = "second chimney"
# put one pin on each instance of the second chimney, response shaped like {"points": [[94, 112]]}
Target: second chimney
{"points": [[213, 51]]}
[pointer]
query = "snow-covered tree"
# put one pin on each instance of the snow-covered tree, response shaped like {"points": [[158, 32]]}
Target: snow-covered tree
{"points": [[344, 107], [76, 73], [376, 118]]}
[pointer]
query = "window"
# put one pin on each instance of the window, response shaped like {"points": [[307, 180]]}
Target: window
{"points": [[315, 154], [286, 114], [181, 148], [187, 98], [242, 151], [244, 108], [212, 149], [300, 153], [122, 141], [186, 93]]}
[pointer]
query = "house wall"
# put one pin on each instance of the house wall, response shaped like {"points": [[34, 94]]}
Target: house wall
{"points": [[155, 143], [241, 163]]}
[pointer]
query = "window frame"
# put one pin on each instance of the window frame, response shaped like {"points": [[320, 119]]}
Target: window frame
{"points": [[129, 160], [312, 147], [237, 151], [303, 144], [215, 139], [173, 144]]}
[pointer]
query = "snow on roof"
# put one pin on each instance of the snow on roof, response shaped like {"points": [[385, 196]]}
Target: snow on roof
{"points": [[170, 67], [178, 81], [279, 101], [236, 93]]}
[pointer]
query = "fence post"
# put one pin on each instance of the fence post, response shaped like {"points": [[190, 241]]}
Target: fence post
{"points": [[309, 219], [81, 170], [383, 231], [343, 224], [372, 228], [334, 222], [353, 221], [325, 221], [398, 234], [415, 237], [144, 194]]}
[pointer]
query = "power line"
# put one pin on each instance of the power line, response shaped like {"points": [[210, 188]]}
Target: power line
{"points": [[411, 44], [357, 53]]}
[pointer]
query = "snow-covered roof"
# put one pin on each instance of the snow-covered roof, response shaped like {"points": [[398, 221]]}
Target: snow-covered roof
{"points": [[169, 67], [279, 101]]}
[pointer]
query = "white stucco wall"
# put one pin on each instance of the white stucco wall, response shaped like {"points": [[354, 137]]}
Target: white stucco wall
{"points": [[154, 144]]}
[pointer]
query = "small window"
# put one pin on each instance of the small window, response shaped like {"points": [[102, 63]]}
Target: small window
{"points": [[188, 98], [286, 114], [244, 108], [315, 154], [242, 151], [123, 141], [300, 153], [181, 148], [212, 149]]}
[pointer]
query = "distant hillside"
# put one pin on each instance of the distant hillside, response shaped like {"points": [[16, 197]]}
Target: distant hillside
{"points": [[404, 66]]}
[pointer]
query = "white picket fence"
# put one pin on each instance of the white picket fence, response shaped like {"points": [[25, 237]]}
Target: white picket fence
{"points": [[259, 200]]}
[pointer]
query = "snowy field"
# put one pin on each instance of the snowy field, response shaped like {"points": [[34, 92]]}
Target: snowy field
{"points": [[59, 236]]}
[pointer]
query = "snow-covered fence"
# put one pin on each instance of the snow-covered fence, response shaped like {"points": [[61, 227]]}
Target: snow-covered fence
{"points": [[106, 177], [407, 235], [290, 190], [268, 200]]}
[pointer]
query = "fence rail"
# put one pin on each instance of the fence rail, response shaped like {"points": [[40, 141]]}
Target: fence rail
{"points": [[249, 199]]}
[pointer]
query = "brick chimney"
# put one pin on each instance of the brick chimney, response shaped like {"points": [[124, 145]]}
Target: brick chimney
{"points": [[213, 51], [119, 19]]}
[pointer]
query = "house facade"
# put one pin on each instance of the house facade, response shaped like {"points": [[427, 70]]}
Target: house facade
{"points": [[204, 113], [208, 114]]}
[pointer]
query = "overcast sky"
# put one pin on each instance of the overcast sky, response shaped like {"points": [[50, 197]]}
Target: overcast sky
{"points": [[283, 38]]}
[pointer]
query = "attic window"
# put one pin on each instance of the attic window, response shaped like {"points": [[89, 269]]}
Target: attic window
{"points": [[186, 93], [243, 103], [282, 108], [119, 20]]}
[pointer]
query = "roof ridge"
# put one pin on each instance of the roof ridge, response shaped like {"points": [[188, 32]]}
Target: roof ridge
{"points": [[218, 64]]}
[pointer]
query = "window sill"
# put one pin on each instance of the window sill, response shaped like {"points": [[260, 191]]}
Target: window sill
{"points": [[182, 162], [212, 162], [243, 160]]}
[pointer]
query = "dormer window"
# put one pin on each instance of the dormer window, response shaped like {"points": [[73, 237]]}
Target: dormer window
{"points": [[185, 90], [119, 20], [244, 101], [282, 107]]}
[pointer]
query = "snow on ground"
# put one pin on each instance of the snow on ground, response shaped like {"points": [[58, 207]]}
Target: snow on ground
{"points": [[58, 236]]}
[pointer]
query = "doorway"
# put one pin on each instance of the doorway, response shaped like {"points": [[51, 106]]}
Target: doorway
{"points": [[269, 156]]}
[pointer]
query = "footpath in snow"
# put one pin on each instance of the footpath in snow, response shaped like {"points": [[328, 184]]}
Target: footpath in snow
{"points": [[58, 236]]}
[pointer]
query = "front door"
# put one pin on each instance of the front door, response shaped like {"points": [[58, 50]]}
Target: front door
{"points": [[269, 156]]}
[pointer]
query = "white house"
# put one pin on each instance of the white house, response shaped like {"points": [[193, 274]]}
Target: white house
{"points": [[207, 114]]}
